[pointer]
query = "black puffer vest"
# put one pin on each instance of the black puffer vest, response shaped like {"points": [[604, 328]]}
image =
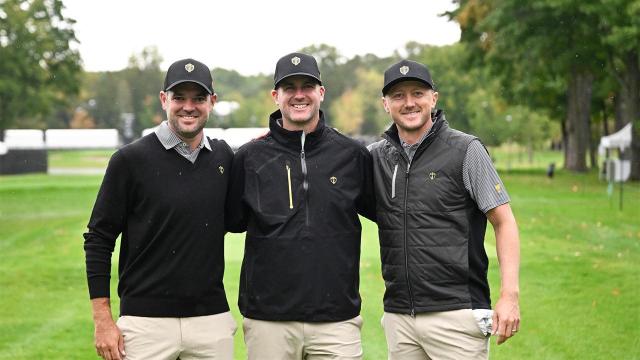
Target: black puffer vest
{"points": [[431, 232]]}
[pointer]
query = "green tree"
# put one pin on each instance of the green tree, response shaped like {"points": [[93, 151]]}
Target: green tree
{"points": [[620, 23], [230, 81], [144, 79], [110, 98], [359, 109], [347, 112], [546, 54], [39, 69], [252, 93]]}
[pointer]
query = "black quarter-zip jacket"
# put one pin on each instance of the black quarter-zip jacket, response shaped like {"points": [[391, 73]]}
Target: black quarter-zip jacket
{"points": [[298, 198]]}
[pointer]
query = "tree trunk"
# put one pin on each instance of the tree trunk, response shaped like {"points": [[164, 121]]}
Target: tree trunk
{"points": [[593, 147], [2, 121], [635, 151], [620, 107], [578, 118], [605, 119], [629, 109], [605, 124]]}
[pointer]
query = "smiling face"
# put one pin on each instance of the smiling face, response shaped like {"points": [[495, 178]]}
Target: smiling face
{"points": [[299, 98], [410, 104], [188, 106]]}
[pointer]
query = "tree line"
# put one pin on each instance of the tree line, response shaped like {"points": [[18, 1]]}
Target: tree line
{"points": [[550, 71]]}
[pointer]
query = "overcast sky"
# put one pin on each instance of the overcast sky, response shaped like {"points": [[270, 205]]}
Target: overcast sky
{"points": [[250, 36]]}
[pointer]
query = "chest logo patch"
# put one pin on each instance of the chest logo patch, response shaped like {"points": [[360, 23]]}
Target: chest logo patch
{"points": [[221, 169], [498, 188], [333, 180], [432, 175]]}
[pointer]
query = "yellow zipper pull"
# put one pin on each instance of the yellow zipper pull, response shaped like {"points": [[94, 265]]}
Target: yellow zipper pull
{"points": [[289, 180]]}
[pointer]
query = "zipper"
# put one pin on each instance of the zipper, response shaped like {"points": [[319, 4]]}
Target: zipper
{"points": [[406, 195], [289, 181], [406, 254], [393, 182], [305, 183]]}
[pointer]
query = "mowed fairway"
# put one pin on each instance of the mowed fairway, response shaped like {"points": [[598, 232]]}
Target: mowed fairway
{"points": [[580, 274]]}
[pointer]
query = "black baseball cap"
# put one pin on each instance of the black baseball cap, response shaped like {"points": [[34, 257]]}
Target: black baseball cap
{"points": [[296, 64], [406, 70], [188, 70]]}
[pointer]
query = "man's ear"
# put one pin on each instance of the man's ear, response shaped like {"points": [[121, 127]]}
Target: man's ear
{"points": [[164, 98], [384, 104]]}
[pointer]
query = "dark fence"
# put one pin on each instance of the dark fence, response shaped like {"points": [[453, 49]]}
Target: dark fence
{"points": [[23, 161]]}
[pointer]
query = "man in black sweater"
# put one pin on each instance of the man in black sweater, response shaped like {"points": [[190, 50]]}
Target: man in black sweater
{"points": [[165, 195], [297, 192]]}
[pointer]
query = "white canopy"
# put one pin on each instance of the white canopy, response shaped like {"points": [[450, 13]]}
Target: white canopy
{"points": [[618, 140]]}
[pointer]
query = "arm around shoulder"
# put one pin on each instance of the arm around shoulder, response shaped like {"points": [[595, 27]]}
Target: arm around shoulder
{"points": [[367, 201], [235, 209]]}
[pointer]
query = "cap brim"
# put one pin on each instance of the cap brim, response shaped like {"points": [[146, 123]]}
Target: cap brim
{"points": [[193, 81], [296, 74], [388, 87]]}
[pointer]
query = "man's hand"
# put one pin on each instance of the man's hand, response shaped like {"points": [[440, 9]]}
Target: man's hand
{"points": [[108, 338], [506, 317]]}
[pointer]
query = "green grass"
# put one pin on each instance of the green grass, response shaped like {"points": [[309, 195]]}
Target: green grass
{"points": [[515, 157], [72, 159], [580, 278], [512, 157]]}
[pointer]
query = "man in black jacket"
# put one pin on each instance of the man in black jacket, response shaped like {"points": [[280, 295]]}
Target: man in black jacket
{"points": [[165, 194], [297, 192], [435, 189]]}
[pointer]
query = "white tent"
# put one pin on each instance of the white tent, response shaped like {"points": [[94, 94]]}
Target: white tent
{"points": [[618, 140], [616, 169]]}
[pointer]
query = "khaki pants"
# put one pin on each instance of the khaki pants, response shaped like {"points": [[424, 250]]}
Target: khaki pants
{"points": [[293, 340], [198, 337], [451, 335]]}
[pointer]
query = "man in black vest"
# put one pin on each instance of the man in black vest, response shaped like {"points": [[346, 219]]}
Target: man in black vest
{"points": [[435, 189], [165, 194]]}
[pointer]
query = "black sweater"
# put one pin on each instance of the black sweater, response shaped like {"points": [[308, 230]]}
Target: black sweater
{"points": [[170, 213]]}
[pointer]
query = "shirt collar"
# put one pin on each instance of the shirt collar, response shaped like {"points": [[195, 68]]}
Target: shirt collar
{"points": [[409, 146], [169, 139]]}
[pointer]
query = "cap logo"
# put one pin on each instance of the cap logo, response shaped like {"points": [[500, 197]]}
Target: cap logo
{"points": [[295, 60], [333, 180], [189, 67], [404, 70]]}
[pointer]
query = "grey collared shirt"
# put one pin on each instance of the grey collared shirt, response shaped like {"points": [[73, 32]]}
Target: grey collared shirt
{"points": [[480, 178], [410, 149], [170, 140]]}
